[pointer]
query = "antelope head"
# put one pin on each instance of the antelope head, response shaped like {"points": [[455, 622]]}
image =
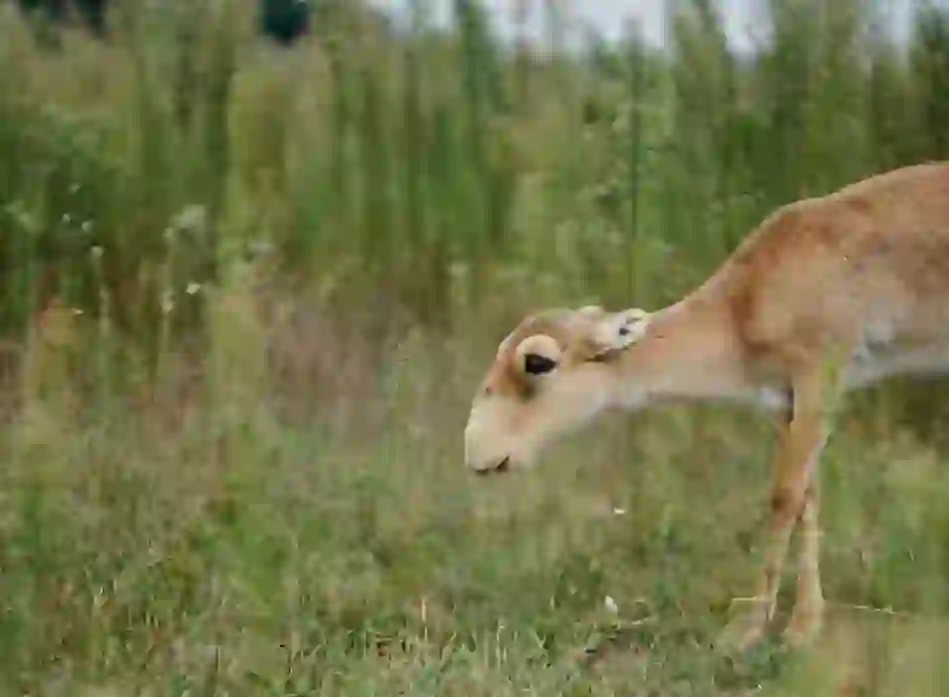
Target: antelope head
{"points": [[552, 374]]}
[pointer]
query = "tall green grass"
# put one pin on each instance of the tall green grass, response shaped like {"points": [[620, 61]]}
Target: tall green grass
{"points": [[246, 290], [421, 159]]}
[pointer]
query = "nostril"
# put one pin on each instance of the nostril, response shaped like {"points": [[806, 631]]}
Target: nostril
{"points": [[505, 465]]}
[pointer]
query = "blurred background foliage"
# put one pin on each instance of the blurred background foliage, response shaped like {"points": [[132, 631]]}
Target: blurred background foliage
{"points": [[423, 172]]}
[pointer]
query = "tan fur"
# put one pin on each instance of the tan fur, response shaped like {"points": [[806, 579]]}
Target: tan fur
{"points": [[827, 295]]}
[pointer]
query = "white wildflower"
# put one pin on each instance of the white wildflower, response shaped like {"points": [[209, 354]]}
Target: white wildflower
{"points": [[191, 217]]}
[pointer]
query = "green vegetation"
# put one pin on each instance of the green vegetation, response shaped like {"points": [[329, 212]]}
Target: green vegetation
{"points": [[246, 292]]}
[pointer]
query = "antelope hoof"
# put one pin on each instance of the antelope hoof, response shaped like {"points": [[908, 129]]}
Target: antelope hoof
{"points": [[746, 628], [804, 627]]}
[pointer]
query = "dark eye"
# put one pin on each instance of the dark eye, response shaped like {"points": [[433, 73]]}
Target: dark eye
{"points": [[535, 364]]}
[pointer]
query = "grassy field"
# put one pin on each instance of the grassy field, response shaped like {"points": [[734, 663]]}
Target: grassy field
{"points": [[246, 294]]}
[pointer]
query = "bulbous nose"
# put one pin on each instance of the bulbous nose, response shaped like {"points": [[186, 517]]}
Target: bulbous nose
{"points": [[480, 454], [472, 459]]}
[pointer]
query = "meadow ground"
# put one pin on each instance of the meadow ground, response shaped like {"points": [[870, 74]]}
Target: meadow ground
{"points": [[208, 548]]}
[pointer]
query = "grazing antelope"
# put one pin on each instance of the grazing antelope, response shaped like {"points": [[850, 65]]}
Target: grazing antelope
{"points": [[827, 295]]}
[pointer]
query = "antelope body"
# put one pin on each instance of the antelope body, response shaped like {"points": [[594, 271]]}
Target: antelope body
{"points": [[827, 295]]}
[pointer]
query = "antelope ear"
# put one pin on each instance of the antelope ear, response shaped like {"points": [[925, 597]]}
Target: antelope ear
{"points": [[614, 331]]}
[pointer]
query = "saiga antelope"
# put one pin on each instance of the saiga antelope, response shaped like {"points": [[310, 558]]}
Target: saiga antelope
{"points": [[827, 295]]}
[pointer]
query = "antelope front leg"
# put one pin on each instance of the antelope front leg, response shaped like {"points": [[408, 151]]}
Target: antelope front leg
{"points": [[807, 617], [793, 497], [799, 440]]}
